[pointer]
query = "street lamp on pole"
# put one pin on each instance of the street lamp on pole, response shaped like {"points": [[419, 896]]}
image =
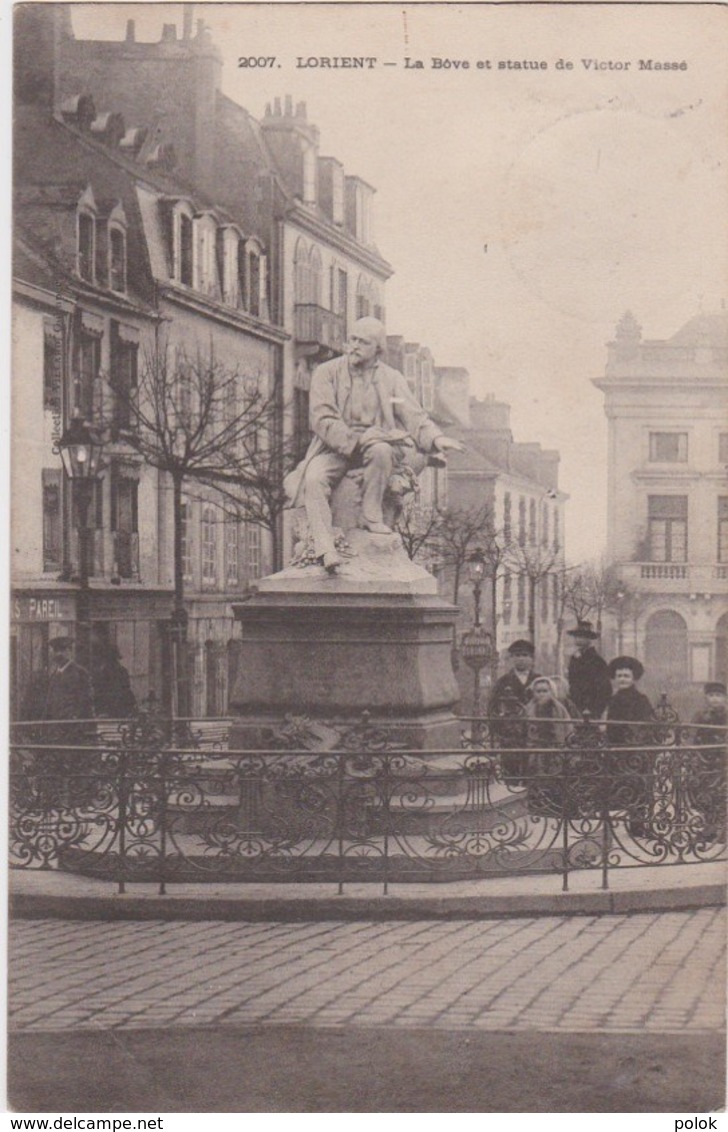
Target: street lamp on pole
{"points": [[80, 450], [476, 645]]}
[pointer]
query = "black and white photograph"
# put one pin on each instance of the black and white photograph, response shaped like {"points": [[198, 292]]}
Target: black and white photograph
{"points": [[368, 561]]}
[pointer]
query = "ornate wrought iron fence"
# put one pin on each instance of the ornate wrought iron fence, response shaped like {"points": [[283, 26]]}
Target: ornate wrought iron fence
{"points": [[148, 800]]}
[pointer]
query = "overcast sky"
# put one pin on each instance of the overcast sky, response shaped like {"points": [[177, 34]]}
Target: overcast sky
{"points": [[594, 190]]}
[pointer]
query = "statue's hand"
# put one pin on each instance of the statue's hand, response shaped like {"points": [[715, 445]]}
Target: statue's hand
{"points": [[448, 444]]}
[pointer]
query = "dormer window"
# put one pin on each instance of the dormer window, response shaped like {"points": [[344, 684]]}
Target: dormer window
{"points": [[86, 246], [117, 259], [256, 279], [205, 257]]}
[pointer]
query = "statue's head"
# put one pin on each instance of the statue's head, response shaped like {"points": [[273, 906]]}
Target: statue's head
{"points": [[369, 332]]}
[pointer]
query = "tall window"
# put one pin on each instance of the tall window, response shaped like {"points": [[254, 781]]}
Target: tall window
{"points": [[208, 536], [124, 521], [124, 376], [242, 295], [521, 599], [532, 522], [254, 277], [507, 517], [556, 528], [669, 447], [521, 521], [86, 246], [232, 560], [87, 372], [254, 564], [117, 260], [555, 595], [186, 542], [723, 448], [52, 526], [316, 276], [507, 597], [668, 528], [544, 524], [52, 366], [723, 528], [185, 250]]}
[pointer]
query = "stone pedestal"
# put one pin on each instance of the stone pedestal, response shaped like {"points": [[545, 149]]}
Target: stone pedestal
{"points": [[372, 637]]}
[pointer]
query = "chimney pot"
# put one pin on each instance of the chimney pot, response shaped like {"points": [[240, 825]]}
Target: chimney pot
{"points": [[169, 32]]}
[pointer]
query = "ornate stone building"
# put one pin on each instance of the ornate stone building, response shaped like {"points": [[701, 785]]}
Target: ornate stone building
{"points": [[665, 402]]}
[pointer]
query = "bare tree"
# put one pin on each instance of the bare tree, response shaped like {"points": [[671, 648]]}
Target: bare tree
{"points": [[534, 562], [192, 417], [461, 531], [419, 529]]}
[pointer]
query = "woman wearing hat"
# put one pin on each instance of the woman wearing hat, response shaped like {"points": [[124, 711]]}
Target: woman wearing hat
{"points": [[630, 773], [549, 726]]}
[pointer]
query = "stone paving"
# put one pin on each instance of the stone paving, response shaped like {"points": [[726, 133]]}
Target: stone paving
{"points": [[648, 972]]}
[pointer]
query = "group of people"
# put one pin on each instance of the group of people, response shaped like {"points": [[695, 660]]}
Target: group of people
{"points": [[534, 711], [67, 691]]}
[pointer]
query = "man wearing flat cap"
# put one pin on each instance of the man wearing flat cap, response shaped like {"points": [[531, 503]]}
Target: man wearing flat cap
{"points": [[362, 415], [589, 684], [506, 708]]}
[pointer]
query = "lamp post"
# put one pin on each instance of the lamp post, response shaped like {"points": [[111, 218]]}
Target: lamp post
{"points": [[80, 451], [476, 645]]}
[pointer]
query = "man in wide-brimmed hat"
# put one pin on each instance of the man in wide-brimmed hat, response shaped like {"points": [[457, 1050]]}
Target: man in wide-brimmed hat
{"points": [[589, 684]]}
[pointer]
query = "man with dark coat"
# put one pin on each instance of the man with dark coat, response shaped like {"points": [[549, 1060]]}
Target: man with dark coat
{"points": [[68, 698], [589, 685], [506, 708]]}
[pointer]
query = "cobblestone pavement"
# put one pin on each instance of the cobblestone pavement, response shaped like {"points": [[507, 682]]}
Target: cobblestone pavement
{"points": [[649, 972]]}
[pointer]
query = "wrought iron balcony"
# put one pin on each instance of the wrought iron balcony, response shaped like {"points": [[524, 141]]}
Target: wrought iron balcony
{"points": [[321, 331]]}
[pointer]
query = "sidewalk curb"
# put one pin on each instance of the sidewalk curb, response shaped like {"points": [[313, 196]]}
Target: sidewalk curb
{"points": [[131, 906]]}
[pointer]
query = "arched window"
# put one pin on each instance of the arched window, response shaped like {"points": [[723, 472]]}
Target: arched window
{"points": [[666, 650], [721, 649]]}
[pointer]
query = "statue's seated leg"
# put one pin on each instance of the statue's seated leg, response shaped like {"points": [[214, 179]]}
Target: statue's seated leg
{"points": [[322, 474], [378, 465]]}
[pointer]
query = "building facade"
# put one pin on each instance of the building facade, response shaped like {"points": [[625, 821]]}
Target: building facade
{"points": [[665, 404]]}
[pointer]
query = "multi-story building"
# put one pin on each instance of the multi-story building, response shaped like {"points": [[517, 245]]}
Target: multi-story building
{"points": [[322, 267], [665, 401], [115, 253], [518, 483]]}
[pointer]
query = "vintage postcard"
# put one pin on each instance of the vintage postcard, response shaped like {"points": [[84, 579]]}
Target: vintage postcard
{"points": [[369, 559]]}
